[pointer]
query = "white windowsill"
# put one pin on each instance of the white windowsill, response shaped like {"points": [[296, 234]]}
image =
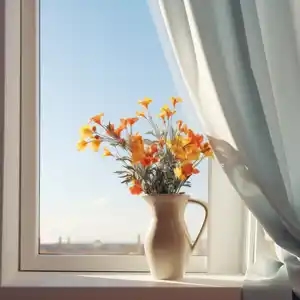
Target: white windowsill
{"points": [[92, 286], [61, 279], [85, 286]]}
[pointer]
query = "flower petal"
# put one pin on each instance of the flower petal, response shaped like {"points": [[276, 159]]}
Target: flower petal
{"points": [[86, 132], [95, 144], [81, 145], [97, 118], [145, 102], [140, 114], [175, 100], [107, 152], [136, 189]]}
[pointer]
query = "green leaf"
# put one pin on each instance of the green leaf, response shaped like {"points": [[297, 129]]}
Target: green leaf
{"points": [[125, 176], [150, 132], [124, 158], [148, 142], [119, 172], [126, 180], [129, 167]]}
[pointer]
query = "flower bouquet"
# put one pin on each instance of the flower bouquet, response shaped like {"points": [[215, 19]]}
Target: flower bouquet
{"points": [[157, 165]]}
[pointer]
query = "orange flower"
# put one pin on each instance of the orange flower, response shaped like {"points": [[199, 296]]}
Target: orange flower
{"points": [[188, 169], [110, 129], [95, 143], [196, 139], [136, 188], [86, 132], [146, 161], [121, 127], [128, 121], [166, 112], [116, 133], [179, 123], [206, 150], [97, 119], [154, 148], [184, 129], [185, 171], [140, 114], [124, 122], [175, 100], [149, 158], [137, 148], [131, 121], [145, 102], [107, 152], [81, 145]]}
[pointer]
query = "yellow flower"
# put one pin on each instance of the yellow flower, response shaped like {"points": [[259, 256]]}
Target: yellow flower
{"points": [[107, 152], [145, 102], [165, 110], [185, 171], [175, 100], [137, 148], [178, 173], [162, 115], [179, 153], [183, 150], [178, 141], [177, 147], [97, 119], [95, 144], [81, 145], [192, 152], [86, 132], [140, 114]]}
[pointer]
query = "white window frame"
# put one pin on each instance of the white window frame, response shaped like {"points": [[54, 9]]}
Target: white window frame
{"points": [[230, 240]]}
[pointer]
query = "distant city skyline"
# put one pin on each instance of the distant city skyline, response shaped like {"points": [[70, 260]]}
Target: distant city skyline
{"points": [[98, 56], [99, 248]]}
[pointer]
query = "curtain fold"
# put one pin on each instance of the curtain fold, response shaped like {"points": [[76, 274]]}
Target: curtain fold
{"points": [[240, 62]]}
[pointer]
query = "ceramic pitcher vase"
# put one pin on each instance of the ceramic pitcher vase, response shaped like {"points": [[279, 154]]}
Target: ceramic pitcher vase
{"points": [[168, 245]]}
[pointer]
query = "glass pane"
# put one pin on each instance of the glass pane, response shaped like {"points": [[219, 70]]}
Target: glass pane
{"points": [[98, 56]]}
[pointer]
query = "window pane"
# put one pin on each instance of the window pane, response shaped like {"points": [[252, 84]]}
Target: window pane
{"points": [[98, 56]]}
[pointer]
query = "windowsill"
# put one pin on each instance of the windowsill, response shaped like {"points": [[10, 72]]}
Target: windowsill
{"points": [[60, 279], [54, 285]]}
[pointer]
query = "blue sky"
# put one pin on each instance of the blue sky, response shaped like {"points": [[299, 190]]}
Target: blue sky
{"points": [[98, 56]]}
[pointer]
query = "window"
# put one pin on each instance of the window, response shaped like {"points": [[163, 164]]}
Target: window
{"points": [[77, 58], [92, 57]]}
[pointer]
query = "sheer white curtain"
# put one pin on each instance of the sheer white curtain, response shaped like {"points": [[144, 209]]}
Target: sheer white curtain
{"points": [[240, 62]]}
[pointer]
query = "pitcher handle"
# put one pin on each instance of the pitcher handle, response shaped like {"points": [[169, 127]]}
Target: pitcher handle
{"points": [[204, 205]]}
